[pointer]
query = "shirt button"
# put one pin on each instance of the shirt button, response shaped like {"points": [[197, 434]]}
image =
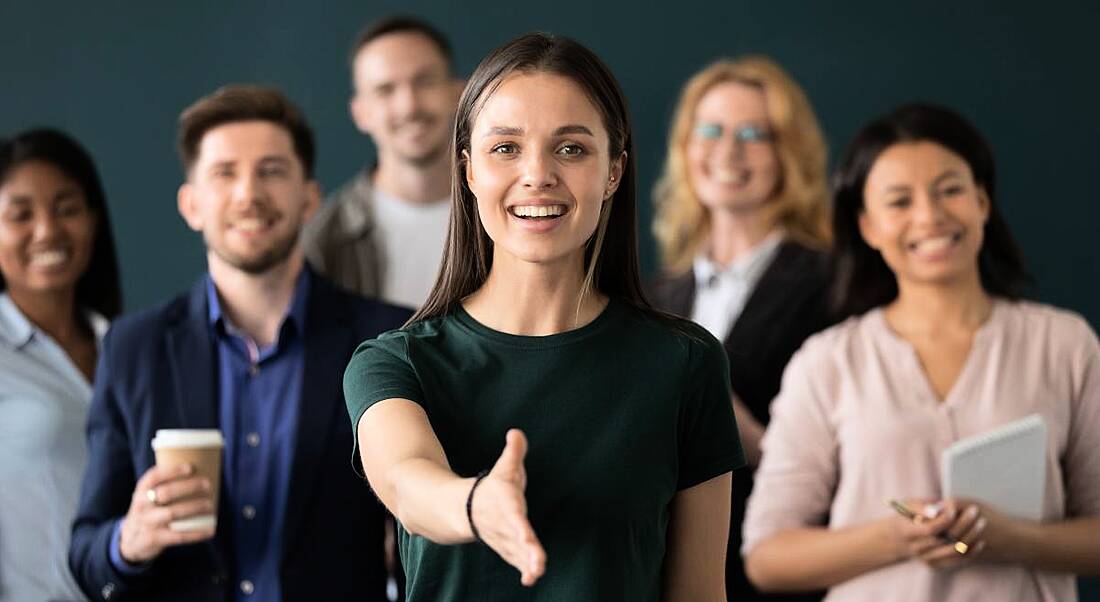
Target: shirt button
{"points": [[247, 587], [254, 369], [252, 439], [249, 512]]}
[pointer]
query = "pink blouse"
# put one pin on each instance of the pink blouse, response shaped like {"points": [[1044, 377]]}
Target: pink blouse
{"points": [[856, 422]]}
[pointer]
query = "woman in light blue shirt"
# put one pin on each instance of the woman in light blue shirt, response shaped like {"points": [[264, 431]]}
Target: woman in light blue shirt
{"points": [[59, 285]]}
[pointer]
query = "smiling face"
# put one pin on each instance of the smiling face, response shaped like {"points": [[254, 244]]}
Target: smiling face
{"points": [[47, 230], [539, 165], [248, 195], [924, 213], [731, 160], [405, 97]]}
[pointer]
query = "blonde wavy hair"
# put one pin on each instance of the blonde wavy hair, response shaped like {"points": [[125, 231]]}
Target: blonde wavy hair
{"points": [[800, 203]]}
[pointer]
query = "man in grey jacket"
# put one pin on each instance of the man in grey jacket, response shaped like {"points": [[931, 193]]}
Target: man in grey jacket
{"points": [[381, 234]]}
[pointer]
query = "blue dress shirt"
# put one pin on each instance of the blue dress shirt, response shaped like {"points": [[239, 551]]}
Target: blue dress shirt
{"points": [[259, 392]]}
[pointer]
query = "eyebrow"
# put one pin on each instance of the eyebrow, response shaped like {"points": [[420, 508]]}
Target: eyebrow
{"points": [[573, 129], [950, 173], [275, 159], [896, 188], [264, 159], [21, 199], [499, 130], [26, 199], [66, 193], [946, 175], [392, 82]]}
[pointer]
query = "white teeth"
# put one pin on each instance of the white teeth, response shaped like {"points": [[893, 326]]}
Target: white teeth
{"points": [[251, 224], [731, 177], [538, 210], [48, 259], [935, 244]]}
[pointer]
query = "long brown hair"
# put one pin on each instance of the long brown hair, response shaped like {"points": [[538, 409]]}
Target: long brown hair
{"points": [[611, 255]]}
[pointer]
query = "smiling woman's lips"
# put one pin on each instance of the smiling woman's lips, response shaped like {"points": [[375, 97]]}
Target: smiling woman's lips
{"points": [[48, 259], [536, 224], [538, 211], [728, 178], [935, 247]]}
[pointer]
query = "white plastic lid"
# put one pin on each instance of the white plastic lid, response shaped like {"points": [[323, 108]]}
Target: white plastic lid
{"points": [[188, 438]]}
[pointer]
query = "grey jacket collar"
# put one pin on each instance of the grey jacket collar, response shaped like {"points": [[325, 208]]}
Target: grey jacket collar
{"points": [[355, 218]]}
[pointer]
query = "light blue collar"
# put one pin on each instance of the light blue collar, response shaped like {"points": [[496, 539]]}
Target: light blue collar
{"points": [[17, 330]]}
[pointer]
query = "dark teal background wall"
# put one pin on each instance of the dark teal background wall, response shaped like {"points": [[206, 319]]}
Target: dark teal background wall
{"points": [[116, 74]]}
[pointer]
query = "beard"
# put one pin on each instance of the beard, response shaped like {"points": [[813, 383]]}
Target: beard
{"points": [[258, 263], [428, 156], [429, 153]]}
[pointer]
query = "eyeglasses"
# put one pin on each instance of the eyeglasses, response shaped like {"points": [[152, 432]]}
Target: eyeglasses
{"points": [[745, 133]]}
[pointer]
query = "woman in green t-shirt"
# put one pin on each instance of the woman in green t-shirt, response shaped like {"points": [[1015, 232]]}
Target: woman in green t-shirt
{"points": [[618, 434]]}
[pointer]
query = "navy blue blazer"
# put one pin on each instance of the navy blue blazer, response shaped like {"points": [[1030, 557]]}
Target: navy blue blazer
{"points": [[157, 369]]}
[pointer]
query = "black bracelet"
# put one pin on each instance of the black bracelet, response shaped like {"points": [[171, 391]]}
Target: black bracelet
{"points": [[470, 504]]}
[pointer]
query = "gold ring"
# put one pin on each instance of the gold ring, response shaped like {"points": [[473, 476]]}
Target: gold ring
{"points": [[151, 495], [961, 548]]}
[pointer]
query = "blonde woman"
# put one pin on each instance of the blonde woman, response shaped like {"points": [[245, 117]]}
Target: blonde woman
{"points": [[742, 223]]}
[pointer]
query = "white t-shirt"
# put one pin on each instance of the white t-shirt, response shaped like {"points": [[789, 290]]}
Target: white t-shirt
{"points": [[721, 292], [410, 237]]}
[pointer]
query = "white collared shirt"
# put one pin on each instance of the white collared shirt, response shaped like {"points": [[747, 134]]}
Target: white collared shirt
{"points": [[721, 292], [44, 400]]}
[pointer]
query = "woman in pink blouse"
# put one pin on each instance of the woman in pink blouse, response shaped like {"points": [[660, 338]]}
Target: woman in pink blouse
{"points": [[940, 347]]}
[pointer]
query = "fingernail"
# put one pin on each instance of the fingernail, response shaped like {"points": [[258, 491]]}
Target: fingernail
{"points": [[933, 511], [972, 511], [981, 523]]}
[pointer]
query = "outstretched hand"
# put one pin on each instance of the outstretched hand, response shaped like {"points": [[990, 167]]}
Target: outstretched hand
{"points": [[499, 512]]}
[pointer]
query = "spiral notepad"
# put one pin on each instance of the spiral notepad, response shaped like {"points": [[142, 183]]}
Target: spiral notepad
{"points": [[1005, 467]]}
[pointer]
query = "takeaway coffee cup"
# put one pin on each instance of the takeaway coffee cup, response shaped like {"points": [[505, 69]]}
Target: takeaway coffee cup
{"points": [[202, 448]]}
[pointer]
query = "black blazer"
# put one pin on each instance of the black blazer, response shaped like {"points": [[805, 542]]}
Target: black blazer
{"points": [[158, 369], [789, 303]]}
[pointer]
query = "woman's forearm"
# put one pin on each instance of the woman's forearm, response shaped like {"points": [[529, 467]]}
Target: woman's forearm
{"points": [[429, 500], [816, 558], [1070, 546], [407, 469]]}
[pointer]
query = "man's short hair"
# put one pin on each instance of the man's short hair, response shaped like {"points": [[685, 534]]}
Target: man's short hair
{"points": [[402, 24], [235, 103]]}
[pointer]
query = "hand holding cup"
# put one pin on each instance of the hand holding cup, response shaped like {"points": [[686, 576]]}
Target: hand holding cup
{"points": [[176, 501], [165, 494]]}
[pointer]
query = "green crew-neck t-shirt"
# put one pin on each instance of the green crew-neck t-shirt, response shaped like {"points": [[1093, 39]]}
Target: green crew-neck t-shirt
{"points": [[620, 415]]}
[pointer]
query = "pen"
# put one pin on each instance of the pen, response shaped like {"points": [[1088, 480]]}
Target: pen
{"points": [[960, 546]]}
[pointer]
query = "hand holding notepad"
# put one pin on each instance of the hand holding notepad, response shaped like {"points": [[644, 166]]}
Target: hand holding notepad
{"points": [[1005, 468]]}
